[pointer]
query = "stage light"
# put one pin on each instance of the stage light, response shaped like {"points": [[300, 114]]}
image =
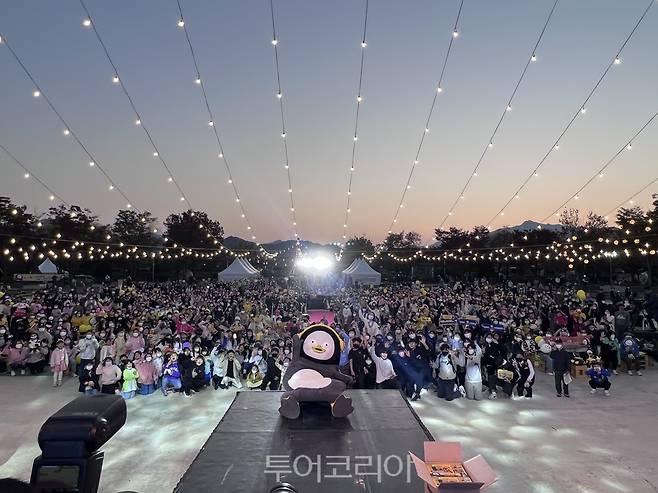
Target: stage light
{"points": [[317, 263]]}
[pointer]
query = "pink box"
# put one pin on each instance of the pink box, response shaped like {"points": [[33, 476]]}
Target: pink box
{"points": [[477, 468]]}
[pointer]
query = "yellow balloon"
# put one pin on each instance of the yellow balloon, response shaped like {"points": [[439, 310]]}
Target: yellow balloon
{"points": [[581, 295]]}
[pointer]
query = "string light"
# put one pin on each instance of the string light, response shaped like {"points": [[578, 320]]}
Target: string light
{"points": [[67, 127], [139, 121], [608, 163], [556, 144], [507, 110], [630, 200], [439, 86], [283, 122]]}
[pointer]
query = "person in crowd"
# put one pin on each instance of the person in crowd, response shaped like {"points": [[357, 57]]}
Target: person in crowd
{"points": [[447, 374], [357, 363], [109, 375], [526, 375], [129, 386], [610, 352], [171, 375], [254, 378], [272, 377], [386, 377], [599, 378], [16, 355], [562, 367], [473, 381], [59, 362], [492, 358], [88, 380], [147, 374], [630, 354], [87, 348], [231, 371]]}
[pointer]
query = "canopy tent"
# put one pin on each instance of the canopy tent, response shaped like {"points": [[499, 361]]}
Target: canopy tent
{"points": [[239, 269], [47, 267], [359, 271]]}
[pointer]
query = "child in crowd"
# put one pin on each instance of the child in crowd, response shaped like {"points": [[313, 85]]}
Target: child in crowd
{"points": [[59, 362]]}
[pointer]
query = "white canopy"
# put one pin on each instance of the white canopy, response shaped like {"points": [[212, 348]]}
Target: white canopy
{"points": [[239, 269], [360, 271], [47, 267]]}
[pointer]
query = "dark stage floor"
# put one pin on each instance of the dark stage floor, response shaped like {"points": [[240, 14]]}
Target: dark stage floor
{"points": [[367, 452]]}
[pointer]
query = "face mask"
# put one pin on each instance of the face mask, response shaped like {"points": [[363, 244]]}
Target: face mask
{"points": [[368, 362], [62, 334], [519, 361], [157, 355], [88, 367], [489, 339], [351, 334], [259, 352], [444, 353], [384, 356], [254, 370], [517, 338], [559, 346], [88, 336], [148, 358], [2, 331], [108, 363], [467, 335], [287, 351], [612, 337], [135, 334], [19, 346]]}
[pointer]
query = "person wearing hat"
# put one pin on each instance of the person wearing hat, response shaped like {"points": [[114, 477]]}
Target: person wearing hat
{"points": [[630, 354], [599, 378], [447, 375]]}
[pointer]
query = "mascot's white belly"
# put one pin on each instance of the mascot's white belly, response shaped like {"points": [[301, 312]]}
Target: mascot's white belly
{"points": [[308, 379]]}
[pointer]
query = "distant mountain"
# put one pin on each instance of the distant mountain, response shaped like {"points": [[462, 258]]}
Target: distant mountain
{"points": [[529, 225], [236, 243]]}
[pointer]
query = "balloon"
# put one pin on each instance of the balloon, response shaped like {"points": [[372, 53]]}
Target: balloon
{"points": [[581, 295]]}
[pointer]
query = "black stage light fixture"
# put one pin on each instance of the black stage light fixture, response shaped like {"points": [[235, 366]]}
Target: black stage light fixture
{"points": [[69, 440], [283, 488]]}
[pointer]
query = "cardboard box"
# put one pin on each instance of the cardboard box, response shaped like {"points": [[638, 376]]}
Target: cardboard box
{"points": [[578, 371], [447, 456]]}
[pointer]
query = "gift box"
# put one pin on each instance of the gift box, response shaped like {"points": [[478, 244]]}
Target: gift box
{"points": [[444, 469], [578, 371]]}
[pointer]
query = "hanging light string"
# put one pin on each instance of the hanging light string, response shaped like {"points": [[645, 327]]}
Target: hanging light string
{"points": [[359, 100], [582, 109], [426, 129], [630, 200], [139, 120], [599, 174], [508, 108], [279, 95], [29, 174], [68, 130], [211, 120]]}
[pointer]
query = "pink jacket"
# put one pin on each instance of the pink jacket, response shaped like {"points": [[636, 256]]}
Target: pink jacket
{"points": [[134, 344], [183, 327], [15, 355], [59, 360], [148, 373], [108, 374]]}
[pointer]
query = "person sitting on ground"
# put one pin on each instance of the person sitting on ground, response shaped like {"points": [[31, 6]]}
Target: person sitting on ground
{"points": [[599, 378], [129, 386], [231, 370], [254, 378], [447, 375], [171, 375]]}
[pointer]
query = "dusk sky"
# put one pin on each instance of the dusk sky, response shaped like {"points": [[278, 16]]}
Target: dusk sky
{"points": [[319, 51]]}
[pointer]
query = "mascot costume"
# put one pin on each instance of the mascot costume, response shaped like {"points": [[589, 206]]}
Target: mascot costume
{"points": [[313, 374]]}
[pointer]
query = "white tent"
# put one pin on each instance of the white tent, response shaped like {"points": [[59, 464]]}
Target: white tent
{"points": [[47, 267], [359, 271], [239, 269]]}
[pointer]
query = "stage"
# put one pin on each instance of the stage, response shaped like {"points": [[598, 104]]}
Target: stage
{"points": [[253, 448]]}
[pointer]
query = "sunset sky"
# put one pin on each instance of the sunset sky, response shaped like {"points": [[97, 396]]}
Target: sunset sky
{"points": [[319, 45]]}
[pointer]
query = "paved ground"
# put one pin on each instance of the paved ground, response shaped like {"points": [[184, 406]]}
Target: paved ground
{"points": [[587, 444]]}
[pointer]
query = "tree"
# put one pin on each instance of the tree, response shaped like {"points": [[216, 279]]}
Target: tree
{"points": [[394, 241], [359, 244], [412, 240], [14, 219], [76, 223], [193, 229], [633, 220], [596, 226], [452, 238], [570, 221], [136, 228]]}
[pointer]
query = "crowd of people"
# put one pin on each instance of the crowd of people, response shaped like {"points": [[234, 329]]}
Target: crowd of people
{"points": [[459, 339]]}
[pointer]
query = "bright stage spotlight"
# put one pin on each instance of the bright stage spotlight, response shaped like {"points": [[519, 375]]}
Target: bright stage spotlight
{"points": [[315, 264]]}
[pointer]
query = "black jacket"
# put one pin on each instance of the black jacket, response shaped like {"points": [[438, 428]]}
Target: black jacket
{"points": [[561, 360]]}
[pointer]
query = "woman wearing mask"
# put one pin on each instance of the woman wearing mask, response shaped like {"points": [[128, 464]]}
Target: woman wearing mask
{"points": [[59, 362], [473, 383], [134, 342], [88, 380], [130, 376], [526, 373], [109, 375], [171, 374], [254, 378], [16, 354], [148, 374], [610, 352]]}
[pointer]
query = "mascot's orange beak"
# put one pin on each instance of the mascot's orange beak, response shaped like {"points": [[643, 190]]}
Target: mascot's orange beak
{"points": [[318, 348]]}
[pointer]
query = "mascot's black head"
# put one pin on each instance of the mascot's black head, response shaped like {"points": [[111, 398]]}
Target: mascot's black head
{"points": [[321, 344]]}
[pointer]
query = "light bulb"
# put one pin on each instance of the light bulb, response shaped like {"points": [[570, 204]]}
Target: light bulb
{"points": [[557, 147], [427, 129], [92, 164], [408, 187], [52, 197], [416, 161], [279, 95], [211, 123], [533, 58], [455, 33], [36, 94], [583, 110], [490, 144], [617, 60], [283, 135], [359, 98], [197, 80], [129, 206], [475, 173], [26, 175], [86, 22], [182, 199], [629, 147], [461, 197], [220, 155], [439, 89], [364, 44], [66, 132], [355, 138], [536, 174], [600, 175], [115, 79], [230, 181], [181, 23], [577, 197], [111, 187], [155, 154], [275, 42], [138, 122], [170, 179]]}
